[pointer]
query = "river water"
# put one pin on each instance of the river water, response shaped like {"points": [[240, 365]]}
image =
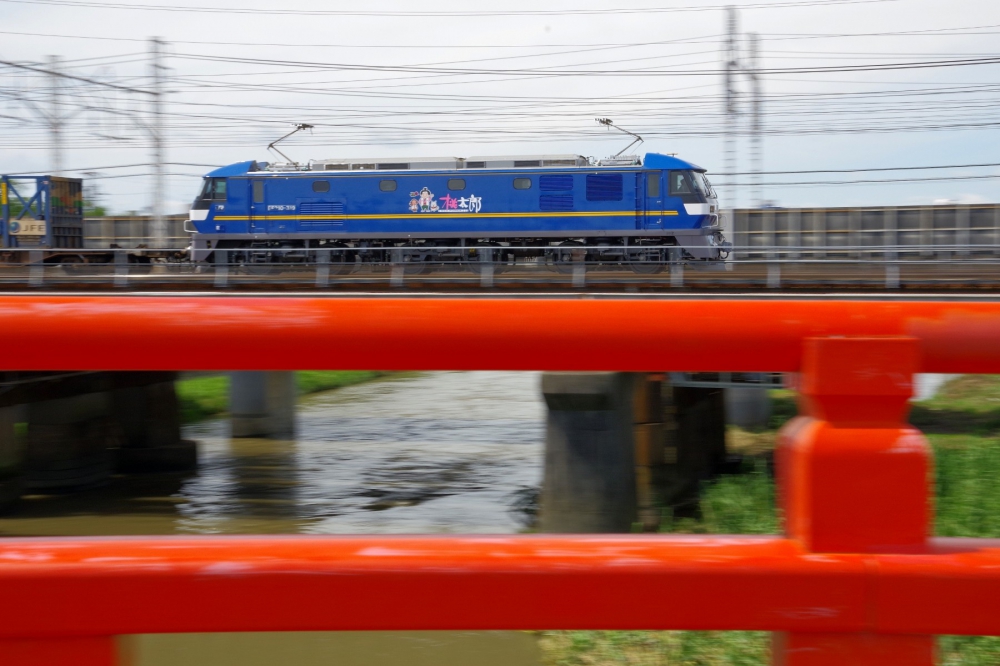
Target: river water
{"points": [[437, 452], [433, 453], [442, 452]]}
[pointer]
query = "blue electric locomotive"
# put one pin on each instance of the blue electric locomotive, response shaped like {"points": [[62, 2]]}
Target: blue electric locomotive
{"points": [[643, 213]]}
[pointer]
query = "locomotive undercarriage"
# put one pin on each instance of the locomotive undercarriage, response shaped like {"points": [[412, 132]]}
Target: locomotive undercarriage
{"points": [[644, 256]]}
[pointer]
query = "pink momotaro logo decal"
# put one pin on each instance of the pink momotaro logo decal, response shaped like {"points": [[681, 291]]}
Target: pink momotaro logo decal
{"points": [[423, 201]]}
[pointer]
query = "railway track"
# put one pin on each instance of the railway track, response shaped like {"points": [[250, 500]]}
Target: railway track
{"points": [[853, 269]]}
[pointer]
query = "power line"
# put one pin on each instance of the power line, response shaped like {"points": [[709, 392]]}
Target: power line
{"points": [[366, 45], [935, 32], [871, 67], [72, 77], [438, 14], [870, 169], [137, 165], [877, 181]]}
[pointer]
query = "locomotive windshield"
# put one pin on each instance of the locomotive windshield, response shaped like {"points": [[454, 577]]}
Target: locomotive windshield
{"points": [[701, 183]]}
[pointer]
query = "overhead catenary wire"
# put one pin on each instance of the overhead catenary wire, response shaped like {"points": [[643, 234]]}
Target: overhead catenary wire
{"points": [[237, 102], [869, 67], [441, 14]]}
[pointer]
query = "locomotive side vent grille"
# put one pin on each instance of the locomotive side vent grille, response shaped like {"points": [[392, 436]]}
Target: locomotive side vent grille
{"points": [[559, 183], [555, 202], [322, 208], [604, 187]]}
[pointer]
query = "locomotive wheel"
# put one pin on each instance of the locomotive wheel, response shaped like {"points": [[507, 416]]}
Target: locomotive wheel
{"points": [[72, 264], [341, 259], [645, 261], [414, 263], [567, 254], [140, 265], [258, 262], [473, 261]]}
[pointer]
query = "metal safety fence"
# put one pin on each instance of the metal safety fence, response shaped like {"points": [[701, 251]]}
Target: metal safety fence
{"points": [[855, 579], [662, 268]]}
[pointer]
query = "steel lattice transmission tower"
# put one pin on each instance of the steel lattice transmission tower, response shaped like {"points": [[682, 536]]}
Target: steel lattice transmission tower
{"points": [[752, 69], [60, 107], [158, 226], [731, 104], [756, 117]]}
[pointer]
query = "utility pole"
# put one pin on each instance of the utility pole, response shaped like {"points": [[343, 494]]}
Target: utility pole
{"points": [[55, 116], [158, 226], [732, 67], [756, 137]]}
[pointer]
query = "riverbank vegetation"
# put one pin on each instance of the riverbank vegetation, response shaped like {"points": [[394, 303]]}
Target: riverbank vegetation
{"points": [[963, 425], [202, 397]]}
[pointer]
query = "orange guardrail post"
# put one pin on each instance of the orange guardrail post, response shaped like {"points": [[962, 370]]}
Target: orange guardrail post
{"points": [[853, 477]]}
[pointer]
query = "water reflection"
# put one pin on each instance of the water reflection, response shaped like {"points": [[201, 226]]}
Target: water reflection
{"points": [[438, 452]]}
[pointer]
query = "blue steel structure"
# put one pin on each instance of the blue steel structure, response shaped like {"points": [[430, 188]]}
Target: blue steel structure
{"points": [[41, 212], [641, 212]]}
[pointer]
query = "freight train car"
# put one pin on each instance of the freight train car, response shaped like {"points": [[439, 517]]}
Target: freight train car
{"points": [[41, 212], [643, 213], [42, 222]]}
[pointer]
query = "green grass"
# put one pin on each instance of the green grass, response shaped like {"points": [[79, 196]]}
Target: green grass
{"points": [[202, 397], [963, 425], [654, 648]]}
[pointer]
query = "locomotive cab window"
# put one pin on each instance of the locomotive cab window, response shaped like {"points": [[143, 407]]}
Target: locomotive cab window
{"points": [[258, 191], [680, 183], [214, 189], [387, 185], [522, 183], [321, 186], [683, 186], [456, 184]]}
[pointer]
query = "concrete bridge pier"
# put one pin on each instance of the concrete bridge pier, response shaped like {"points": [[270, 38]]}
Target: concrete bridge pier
{"points": [[262, 404], [696, 444], [69, 442], [589, 484], [650, 439], [748, 407], [147, 414], [622, 446], [12, 444]]}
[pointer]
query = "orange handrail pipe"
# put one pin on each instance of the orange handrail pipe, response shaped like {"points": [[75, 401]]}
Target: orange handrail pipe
{"points": [[627, 334], [855, 580], [107, 586]]}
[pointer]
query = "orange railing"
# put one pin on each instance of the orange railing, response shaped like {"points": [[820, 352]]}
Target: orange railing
{"points": [[855, 580]]}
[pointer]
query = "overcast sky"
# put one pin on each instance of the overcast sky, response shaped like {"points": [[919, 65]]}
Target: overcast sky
{"points": [[386, 78]]}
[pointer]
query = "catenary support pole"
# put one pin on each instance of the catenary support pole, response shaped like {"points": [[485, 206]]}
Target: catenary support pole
{"points": [[55, 116], [756, 129], [731, 69], [158, 231]]}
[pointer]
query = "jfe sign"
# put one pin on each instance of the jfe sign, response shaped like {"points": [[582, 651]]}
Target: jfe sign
{"points": [[27, 228]]}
